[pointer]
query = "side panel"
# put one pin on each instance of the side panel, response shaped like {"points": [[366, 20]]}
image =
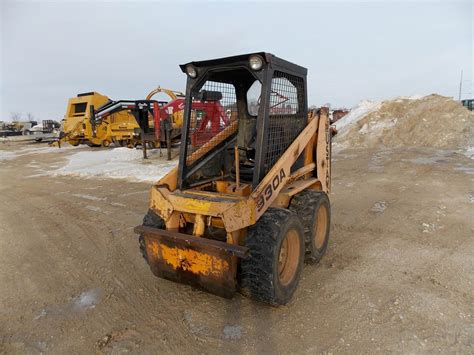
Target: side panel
{"points": [[323, 151], [267, 191]]}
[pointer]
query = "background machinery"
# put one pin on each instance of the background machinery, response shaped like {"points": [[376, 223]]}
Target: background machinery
{"points": [[46, 130], [247, 204], [161, 122], [79, 126], [169, 120], [16, 128]]}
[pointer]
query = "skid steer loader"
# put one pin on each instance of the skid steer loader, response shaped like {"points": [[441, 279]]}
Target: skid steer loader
{"points": [[244, 209]]}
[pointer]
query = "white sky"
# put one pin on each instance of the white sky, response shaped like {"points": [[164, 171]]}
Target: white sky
{"points": [[51, 51]]}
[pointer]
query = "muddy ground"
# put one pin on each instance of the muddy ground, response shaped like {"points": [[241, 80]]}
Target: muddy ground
{"points": [[397, 277]]}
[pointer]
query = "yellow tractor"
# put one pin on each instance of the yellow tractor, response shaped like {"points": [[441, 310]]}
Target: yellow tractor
{"points": [[79, 126], [247, 205]]}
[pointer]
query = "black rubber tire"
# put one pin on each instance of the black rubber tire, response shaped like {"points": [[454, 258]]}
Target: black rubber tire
{"points": [[259, 276], [306, 205], [151, 219]]}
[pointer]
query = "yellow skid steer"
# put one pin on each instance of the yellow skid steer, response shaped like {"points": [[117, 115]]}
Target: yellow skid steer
{"points": [[248, 205]]}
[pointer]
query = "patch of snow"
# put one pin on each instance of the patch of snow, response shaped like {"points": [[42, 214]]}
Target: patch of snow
{"points": [[379, 207], [89, 197], [7, 155], [469, 152], [428, 227], [23, 151], [86, 300], [374, 126], [93, 208], [412, 97], [357, 113], [465, 169], [232, 332], [117, 163]]}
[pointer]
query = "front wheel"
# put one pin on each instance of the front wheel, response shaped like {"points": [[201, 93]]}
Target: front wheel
{"points": [[314, 209], [272, 271]]}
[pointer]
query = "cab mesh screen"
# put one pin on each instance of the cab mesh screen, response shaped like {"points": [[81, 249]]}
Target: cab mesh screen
{"points": [[287, 116], [213, 118]]}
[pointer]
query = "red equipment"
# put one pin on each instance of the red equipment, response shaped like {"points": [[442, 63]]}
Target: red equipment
{"points": [[210, 118]]}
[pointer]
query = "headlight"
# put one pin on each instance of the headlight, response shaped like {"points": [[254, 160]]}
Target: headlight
{"points": [[191, 71], [256, 62]]}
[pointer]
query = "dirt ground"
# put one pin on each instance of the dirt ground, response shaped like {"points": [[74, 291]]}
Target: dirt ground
{"points": [[398, 275]]}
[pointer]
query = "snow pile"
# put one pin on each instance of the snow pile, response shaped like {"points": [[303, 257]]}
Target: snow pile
{"points": [[364, 108], [117, 163], [430, 121]]}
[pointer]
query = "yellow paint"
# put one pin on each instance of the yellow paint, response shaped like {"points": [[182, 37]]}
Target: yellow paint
{"points": [[190, 204], [189, 260], [77, 127], [199, 225], [240, 211], [160, 203], [170, 180]]}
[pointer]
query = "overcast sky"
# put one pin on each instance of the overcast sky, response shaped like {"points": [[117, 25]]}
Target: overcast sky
{"points": [[51, 51]]}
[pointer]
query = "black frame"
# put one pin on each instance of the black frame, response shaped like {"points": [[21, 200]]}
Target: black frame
{"points": [[271, 63]]}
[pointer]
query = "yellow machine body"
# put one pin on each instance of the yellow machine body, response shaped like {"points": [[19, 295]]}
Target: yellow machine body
{"points": [[120, 127], [211, 264], [248, 203]]}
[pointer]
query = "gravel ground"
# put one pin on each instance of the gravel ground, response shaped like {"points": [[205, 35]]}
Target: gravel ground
{"points": [[397, 277]]}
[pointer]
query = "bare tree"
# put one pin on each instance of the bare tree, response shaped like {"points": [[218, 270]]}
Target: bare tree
{"points": [[30, 116], [15, 116]]}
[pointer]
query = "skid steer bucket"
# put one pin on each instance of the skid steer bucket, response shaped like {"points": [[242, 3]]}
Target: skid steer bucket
{"points": [[209, 264]]}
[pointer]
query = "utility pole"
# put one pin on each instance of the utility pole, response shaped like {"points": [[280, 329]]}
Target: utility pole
{"points": [[460, 87]]}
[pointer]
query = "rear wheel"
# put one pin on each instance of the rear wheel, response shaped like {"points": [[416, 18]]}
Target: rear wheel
{"points": [[273, 269], [314, 209], [151, 219], [105, 143]]}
